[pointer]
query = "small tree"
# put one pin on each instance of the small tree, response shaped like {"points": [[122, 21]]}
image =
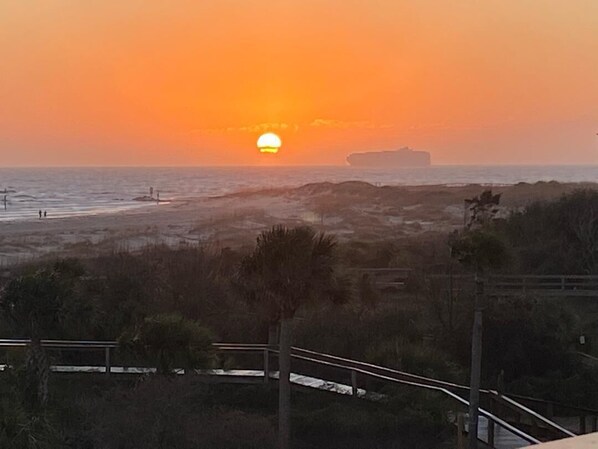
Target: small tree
{"points": [[37, 306], [289, 269], [482, 208], [479, 249], [169, 341]]}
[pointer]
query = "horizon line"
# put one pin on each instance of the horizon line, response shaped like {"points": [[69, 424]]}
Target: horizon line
{"points": [[298, 166]]}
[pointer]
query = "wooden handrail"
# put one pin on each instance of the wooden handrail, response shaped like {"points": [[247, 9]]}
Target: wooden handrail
{"points": [[383, 270], [437, 382], [244, 347], [537, 416], [353, 366], [60, 344], [389, 371], [521, 434]]}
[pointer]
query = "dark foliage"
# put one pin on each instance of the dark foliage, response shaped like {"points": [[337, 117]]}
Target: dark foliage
{"points": [[290, 268], [169, 341], [557, 237], [46, 302], [479, 250]]}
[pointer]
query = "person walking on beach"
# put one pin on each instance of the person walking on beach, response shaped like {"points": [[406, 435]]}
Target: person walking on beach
{"points": [[45, 214], [40, 214]]}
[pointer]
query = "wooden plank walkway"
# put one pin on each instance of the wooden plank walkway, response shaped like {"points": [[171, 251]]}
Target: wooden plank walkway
{"points": [[503, 438], [328, 372]]}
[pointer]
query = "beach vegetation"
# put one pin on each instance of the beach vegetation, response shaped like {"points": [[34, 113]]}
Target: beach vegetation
{"points": [[290, 269], [169, 341]]}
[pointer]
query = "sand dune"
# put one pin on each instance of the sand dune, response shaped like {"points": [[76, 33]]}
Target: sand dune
{"points": [[349, 210]]}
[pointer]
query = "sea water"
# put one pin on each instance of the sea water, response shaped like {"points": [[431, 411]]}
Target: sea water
{"points": [[64, 192]]}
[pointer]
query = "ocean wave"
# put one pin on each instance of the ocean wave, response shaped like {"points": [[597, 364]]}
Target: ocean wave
{"points": [[85, 191]]}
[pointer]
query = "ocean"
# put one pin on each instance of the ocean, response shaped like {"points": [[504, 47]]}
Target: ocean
{"points": [[64, 192]]}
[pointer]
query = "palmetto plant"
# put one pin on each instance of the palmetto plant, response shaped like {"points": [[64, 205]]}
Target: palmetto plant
{"points": [[290, 269], [34, 305]]}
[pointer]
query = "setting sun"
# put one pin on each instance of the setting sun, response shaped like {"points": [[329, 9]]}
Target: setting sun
{"points": [[269, 143]]}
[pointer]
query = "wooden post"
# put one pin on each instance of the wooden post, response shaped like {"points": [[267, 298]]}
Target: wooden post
{"points": [[534, 426], [107, 360], [476, 366], [266, 366], [594, 423], [549, 410], [582, 424], [284, 384], [460, 431], [491, 433], [354, 383], [450, 292]]}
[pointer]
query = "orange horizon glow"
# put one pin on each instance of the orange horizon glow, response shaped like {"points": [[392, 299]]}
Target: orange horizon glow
{"points": [[196, 83]]}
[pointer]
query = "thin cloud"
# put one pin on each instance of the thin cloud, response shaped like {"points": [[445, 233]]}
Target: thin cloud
{"points": [[341, 124], [263, 127], [283, 126], [256, 128]]}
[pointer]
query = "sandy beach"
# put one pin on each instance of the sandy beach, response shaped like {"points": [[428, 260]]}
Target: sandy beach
{"points": [[350, 210]]}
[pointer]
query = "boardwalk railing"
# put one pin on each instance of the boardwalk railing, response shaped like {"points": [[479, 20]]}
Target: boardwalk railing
{"points": [[493, 399], [332, 368], [545, 285], [502, 285], [393, 278]]}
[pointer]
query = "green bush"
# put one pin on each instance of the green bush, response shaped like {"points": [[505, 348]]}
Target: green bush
{"points": [[169, 341], [416, 358], [556, 237]]}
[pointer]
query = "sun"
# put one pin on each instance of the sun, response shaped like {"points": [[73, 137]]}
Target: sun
{"points": [[269, 143]]}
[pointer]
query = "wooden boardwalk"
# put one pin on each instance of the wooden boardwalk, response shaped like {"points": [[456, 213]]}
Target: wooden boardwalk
{"points": [[565, 286], [549, 285], [503, 438], [342, 376]]}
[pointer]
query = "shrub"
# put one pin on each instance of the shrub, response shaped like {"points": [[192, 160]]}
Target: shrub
{"points": [[172, 413], [169, 341]]}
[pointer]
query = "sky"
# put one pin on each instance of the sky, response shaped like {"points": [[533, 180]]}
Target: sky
{"points": [[149, 82]]}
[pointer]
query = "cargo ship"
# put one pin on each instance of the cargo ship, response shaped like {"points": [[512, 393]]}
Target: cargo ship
{"points": [[404, 157]]}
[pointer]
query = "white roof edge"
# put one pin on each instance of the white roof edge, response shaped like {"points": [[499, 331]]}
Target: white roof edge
{"points": [[588, 441]]}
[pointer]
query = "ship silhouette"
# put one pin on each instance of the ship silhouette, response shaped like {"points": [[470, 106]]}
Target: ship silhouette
{"points": [[403, 157]]}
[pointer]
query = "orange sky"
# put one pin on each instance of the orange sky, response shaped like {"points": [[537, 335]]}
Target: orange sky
{"points": [[142, 82]]}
